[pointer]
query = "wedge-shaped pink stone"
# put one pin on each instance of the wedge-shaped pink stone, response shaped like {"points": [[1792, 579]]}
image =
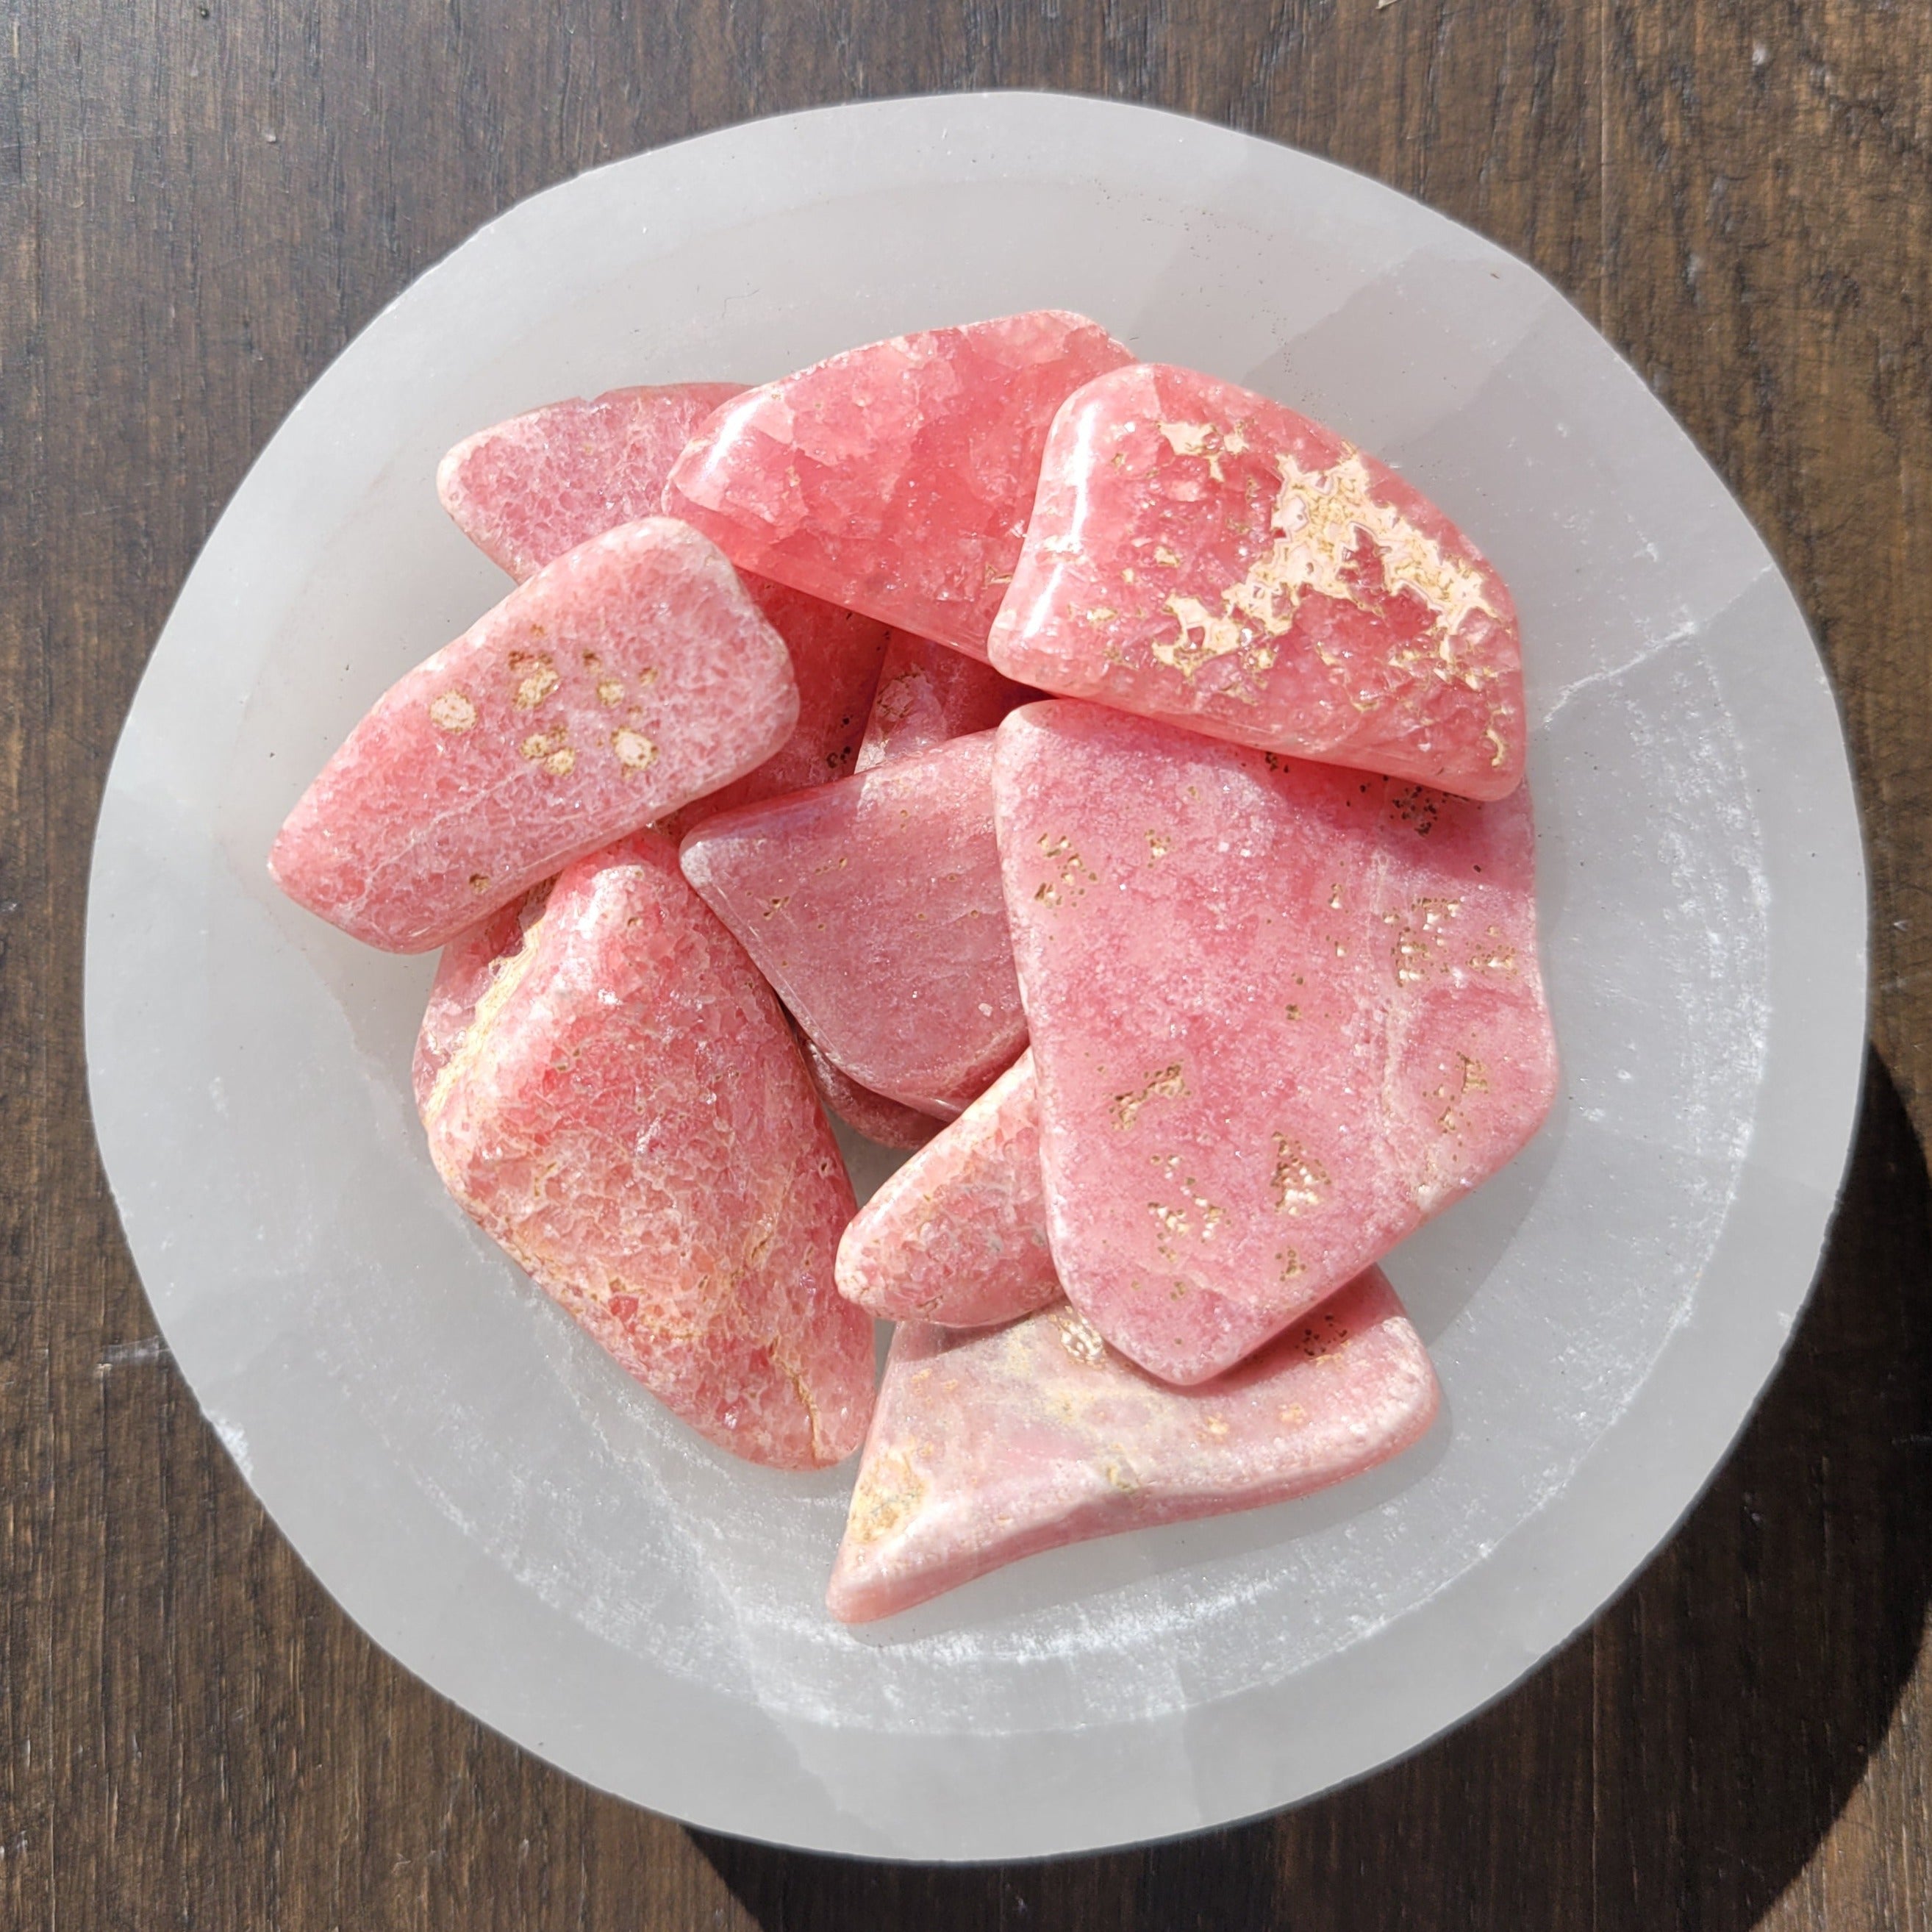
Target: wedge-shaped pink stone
{"points": [[1200, 554], [1281, 1013], [529, 489], [958, 1236], [873, 905], [986, 1448], [927, 693], [897, 478], [623, 1110], [629, 676], [875, 1117], [525, 490]]}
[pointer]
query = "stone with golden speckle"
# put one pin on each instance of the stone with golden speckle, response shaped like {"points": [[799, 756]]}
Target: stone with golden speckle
{"points": [[612, 1093], [894, 478], [988, 1446], [1200, 554], [527, 490], [629, 676], [1281, 1013]]}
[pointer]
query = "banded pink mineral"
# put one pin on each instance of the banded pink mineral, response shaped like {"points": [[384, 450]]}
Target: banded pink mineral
{"points": [[958, 1236], [525, 490], [896, 478], [1200, 554], [928, 694], [873, 906], [629, 676], [1281, 1013], [872, 1114], [621, 1108], [531, 488], [985, 1447]]}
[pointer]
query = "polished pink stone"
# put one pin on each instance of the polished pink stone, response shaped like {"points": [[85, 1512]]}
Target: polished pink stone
{"points": [[872, 1114], [630, 675], [623, 1109], [1281, 1013], [531, 488], [836, 656], [958, 1236], [470, 962], [985, 1447], [896, 478], [1200, 554], [927, 693], [873, 905], [525, 490]]}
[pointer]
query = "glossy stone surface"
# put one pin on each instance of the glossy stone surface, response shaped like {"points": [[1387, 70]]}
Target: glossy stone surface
{"points": [[529, 489], [986, 1448], [1200, 554], [875, 1117], [958, 1236], [525, 490], [895, 478], [629, 676], [836, 656], [1282, 1014], [621, 1108], [927, 693], [873, 905]]}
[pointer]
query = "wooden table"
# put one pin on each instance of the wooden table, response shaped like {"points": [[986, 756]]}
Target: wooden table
{"points": [[202, 200]]}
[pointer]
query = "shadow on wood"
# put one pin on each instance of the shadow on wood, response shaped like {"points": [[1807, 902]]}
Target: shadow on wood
{"points": [[1677, 1765]]}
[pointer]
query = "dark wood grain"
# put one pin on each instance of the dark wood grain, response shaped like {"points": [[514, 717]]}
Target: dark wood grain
{"points": [[200, 203]]}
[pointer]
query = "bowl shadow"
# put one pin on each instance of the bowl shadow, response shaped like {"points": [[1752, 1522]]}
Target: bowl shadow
{"points": [[1677, 1763]]}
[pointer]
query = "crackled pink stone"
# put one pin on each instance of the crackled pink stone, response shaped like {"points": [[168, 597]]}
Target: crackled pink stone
{"points": [[529, 489], [1201, 554], [873, 905], [927, 693], [986, 1448], [629, 676], [1281, 1013], [872, 1114], [525, 490], [622, 1108], [896, 478], [958, 1236]]}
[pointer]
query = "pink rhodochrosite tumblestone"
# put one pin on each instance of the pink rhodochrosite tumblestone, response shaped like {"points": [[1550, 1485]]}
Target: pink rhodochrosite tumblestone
{"points": [[873, 905], [927, 693], [879, 1119], [958, 1236], [895, 478], [623, 1110], [630, 675], [1200, 554], [525, 490], [988, 1446], [529, 489], [1281, 1014]]}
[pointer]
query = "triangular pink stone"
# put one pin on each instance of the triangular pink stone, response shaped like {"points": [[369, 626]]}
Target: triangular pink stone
{"points": [[958, 1236], [927, 693], [988, 1446], [525, 490], [873, 906], [1201, 554], [529, 489], [620, 1106], [872, 1114], [896, 478], [629, 676], [1281, 1013]]}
